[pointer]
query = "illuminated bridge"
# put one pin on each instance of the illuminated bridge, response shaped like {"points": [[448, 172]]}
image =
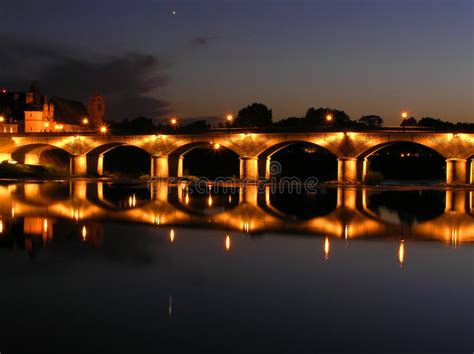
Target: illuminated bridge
{"points": [[254, 148]]}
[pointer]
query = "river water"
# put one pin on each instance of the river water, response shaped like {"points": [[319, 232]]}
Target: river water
{"points": [[103, 267]]}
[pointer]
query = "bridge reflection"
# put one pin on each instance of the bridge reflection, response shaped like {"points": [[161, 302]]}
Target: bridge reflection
{"points": [[36, 212]]}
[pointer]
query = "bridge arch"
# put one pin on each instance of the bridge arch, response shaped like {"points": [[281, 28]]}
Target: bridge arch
{"points": [[96, 156], [266, 156], [365, 156], [176, 157]]}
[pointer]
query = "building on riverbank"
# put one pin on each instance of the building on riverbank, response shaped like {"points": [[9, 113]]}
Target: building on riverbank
{"points": [[33, 112]]}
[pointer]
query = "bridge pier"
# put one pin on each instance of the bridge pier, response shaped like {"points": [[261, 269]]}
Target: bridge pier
{"points": [[456, 171], [249, 168], [159, 167], [32, 159], [347, 169], [471, 179], [4, 157], [78, 165]]}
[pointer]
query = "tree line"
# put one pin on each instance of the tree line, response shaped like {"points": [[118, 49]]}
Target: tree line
{"points": [[258, 115]]}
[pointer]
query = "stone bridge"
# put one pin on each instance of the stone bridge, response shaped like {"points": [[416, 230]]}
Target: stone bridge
{"points": [[254, 148]]}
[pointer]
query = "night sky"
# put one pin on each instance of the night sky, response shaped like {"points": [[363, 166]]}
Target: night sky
{"points": [[213, 57]]}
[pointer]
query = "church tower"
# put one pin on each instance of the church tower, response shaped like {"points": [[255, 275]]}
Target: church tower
{"points": [[96, 109]]}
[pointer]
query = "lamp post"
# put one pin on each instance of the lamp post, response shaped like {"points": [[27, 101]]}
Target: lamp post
{"points": [[329, 118], [174, 123], [104, 130], [85, 123], [229, 119]]}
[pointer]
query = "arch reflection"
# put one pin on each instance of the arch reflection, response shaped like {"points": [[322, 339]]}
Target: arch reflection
{"points": [[33, 214]]}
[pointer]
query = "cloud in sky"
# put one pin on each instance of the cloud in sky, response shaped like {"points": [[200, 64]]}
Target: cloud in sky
{"points": [[129, 82], [203, 40]]}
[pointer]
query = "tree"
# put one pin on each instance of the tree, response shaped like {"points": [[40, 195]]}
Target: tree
{"points": [[290, 122], [254, 115], [138, 125], [433, 122], [409, 122], [197, 125], [317, 117], [371, 121]]}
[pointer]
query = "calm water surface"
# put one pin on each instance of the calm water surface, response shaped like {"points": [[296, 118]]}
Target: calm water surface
{"points": [[96, 267]]}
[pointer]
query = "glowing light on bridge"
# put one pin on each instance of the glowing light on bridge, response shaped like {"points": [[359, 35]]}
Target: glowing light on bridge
{"points": [[1, 226], [326, 248], [172, 234], [84, 233], [404, 115], [2, 119], [216, 146], [104, 129], [227, 243], [85, 121], [401, 253]]}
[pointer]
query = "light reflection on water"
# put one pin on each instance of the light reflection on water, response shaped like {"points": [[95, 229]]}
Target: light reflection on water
{"points": [[235, 270]]}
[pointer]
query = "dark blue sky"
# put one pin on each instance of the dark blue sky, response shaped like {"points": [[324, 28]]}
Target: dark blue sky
{"points": [[211, 57]]}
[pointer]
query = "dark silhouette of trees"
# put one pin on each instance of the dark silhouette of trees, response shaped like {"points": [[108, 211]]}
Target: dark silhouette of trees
{"points": [[254, 115], [291, 122], [433, 122], [371, 121], [197, 125], [317, 117], [409, 122], [138, 125]]}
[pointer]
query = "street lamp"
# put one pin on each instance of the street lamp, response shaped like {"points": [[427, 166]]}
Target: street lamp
{"points": [[2, 119], [85, 121], [404, 115], [329, 118], [104, 129]]}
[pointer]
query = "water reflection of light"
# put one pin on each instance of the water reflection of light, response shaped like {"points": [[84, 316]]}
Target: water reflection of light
{"points": [[170, 306], [13, 211], [246, 227], [157, 220], [227, 243], [186, 199], [326, 248], [1, 226], [401, 253], [84, 233], [172, 235], [132, 201], [454, 237], [209, 201], [346, 231], [45, 225], [230, 199]]}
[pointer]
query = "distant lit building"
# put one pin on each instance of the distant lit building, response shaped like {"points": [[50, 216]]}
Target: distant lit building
{"points": [[34, 113]]}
